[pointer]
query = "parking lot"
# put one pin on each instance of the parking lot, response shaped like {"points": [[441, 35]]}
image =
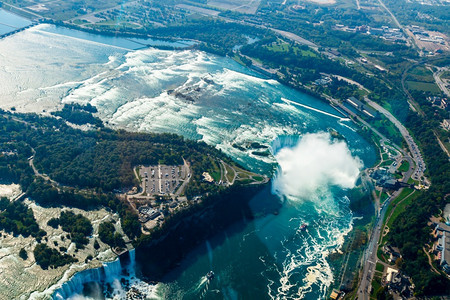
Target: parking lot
{"points": [[162, 179]]}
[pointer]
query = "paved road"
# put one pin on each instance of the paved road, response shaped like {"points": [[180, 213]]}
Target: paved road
{"points": [[370, 255], [413, 148], [439, 82], [187, 170], [296, 38], [406, 31]]}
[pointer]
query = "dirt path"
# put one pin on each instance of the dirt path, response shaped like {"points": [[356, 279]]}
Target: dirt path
{"points": [[430, 261], [37, 173]]}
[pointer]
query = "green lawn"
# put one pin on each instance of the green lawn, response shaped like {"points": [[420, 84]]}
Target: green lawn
{"points": [[230, 173], [258, 178], [404, 167], [423, 86], [285, 47], [376, 285], [383, 197], [403, 194], [379, 267], [386, 163], [400, 208]]}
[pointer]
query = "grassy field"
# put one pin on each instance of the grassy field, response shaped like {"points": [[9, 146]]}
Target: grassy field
{"points": [[423, 86], [404, 167], [216, 172], [285, 47], [379, 267], [401, 207], [376, 285], [403, 194], [230, 173], [383, 197], [386, 163]]}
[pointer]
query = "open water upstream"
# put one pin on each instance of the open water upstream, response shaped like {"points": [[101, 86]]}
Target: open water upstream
{"points": [[214, 99]]}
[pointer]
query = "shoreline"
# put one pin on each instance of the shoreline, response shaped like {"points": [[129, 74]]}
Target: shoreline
{"points": [[291, 87], [235, 196]]}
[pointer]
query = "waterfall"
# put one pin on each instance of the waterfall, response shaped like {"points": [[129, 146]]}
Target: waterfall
{"points": [[109, 272], [284, 141]]}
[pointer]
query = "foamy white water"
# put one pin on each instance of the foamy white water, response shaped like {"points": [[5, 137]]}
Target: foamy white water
{"points": [[209, 98]]}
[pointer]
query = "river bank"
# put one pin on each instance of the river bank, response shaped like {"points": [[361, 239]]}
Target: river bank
{"points": [[164, 249], [139, 269], [234, 106]]}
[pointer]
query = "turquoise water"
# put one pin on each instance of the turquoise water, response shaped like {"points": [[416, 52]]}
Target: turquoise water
{"points": [[223, 104], [10, 22]]}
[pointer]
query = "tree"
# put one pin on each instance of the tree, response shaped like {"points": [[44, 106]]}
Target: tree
{"points": [[23, 254]]}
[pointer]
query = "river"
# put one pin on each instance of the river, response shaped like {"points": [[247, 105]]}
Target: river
{"points": [[214, 99]]}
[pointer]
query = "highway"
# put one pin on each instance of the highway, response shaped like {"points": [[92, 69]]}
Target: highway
{"points": [[406, 31], [439, 82], [370, 255], [413, 148]]}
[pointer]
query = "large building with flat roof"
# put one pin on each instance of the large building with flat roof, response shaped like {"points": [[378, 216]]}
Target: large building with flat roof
{"points": [[365, 109], [443, 233]]}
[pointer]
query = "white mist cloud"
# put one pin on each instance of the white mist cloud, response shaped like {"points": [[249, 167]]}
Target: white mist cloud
{"points": [[315, 163]]}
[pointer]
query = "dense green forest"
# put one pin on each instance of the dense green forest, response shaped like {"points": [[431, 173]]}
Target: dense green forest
{"points": [[90, 167], [108, 235], [101, 160], [79, 114], [18, 219], [411, 231], [78, 226], [47, 257]]}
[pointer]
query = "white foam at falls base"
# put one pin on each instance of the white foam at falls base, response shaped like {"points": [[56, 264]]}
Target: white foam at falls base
{"points": [[110, 272], [308, 171], [313, 163], [304, 269]]}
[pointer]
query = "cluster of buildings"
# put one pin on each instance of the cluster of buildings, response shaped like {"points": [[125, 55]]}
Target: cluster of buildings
{"points": [[147, 213], [8, 152], [446, 124], [207, 177], [361, 107], [424, 36], [324, 80], [385, 32], [384, 179], [393, 252], [442, 247], [440, 102], [399, 284]]}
